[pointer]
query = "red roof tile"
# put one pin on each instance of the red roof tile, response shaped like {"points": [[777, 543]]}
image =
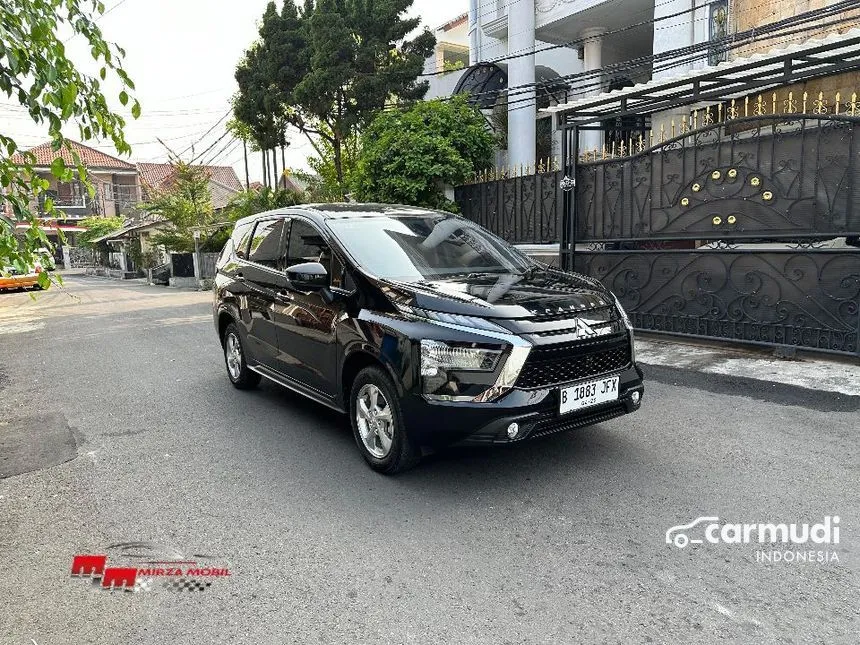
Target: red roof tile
{"points": [[90, 157], [154, 175]]}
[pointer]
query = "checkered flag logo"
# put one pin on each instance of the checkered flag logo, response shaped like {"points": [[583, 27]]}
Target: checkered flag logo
{"points": [[143, 584], [186, 584]]}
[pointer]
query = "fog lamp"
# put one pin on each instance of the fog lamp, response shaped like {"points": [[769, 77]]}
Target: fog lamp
{"points": [[635, 397], [513, 430]]}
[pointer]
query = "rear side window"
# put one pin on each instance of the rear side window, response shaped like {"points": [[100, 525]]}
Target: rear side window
{"points": [[239, 239], [267, 243]]}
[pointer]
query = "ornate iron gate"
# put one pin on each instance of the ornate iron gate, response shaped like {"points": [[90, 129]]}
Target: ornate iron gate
{"points": [[522, 208], [720, 232]]}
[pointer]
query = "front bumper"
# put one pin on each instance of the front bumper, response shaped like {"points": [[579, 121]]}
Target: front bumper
{"points": [[441, 423]]}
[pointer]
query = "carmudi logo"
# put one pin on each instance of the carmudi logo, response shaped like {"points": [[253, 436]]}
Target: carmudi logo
{"points": [[779, 542]]}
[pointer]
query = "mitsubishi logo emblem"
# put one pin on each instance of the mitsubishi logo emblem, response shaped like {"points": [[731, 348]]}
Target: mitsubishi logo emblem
{"points": [[585, 330]]}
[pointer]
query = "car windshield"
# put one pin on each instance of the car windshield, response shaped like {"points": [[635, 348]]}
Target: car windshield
{"points": [[425, 247]]}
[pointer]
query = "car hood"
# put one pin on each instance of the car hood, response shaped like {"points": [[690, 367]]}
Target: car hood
{"points": [[505, 295]]}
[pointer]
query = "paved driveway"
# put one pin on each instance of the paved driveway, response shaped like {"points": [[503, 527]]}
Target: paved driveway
{"points": [[117, 404]]}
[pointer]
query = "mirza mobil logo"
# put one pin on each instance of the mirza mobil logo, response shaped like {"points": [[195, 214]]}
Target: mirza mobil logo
{"points": [[777, 542], [144, 566]]}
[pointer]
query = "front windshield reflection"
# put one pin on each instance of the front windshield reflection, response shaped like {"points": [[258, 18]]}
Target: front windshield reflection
{"points": [[426, 248]]}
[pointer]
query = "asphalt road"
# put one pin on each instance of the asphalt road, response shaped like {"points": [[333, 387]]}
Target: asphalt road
{"points": [[117, 403]]}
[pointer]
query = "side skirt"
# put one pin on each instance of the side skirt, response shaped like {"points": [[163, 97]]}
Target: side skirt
{"points": [[297, 387]]}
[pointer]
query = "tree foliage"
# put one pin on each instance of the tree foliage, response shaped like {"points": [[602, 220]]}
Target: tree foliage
{"points": [[408, 156], [36, 71], [251, 202], [186, 203], [323, 183], [329, 68], [97, 227]]}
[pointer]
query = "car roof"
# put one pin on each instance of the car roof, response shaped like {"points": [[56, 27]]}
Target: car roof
{"points": [[344, 210]]}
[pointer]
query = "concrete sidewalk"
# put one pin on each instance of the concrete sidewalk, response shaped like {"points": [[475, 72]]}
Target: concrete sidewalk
{"points": [[824, 374]]}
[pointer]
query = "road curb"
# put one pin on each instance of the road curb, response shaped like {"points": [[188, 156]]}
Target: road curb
{"points": [[813, 374]]}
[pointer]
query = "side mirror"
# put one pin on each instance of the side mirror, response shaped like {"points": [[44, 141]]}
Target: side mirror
{"points": [[308, 275]]}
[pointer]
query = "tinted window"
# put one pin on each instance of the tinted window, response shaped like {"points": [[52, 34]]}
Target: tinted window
{"points": [[267, 243], [426, 247], [239, 239], [307, 245]]}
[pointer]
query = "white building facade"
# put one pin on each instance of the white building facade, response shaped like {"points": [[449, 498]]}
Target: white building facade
{"points": [[533, 41]]}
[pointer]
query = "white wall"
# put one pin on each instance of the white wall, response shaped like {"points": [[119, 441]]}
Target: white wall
{"points": [[442, 85]]}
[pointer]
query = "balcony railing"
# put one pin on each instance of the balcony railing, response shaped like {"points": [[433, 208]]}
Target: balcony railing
{"points": [[124, 194]]}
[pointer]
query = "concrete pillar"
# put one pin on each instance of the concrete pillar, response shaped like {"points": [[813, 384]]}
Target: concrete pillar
{"points": [[593, 60], [674, 33], [474, 32], [521, 71]]}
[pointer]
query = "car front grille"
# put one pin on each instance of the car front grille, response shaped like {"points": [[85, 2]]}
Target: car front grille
{"points": [[565, 362]]}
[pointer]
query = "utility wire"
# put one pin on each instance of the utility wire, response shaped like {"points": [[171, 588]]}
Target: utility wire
{"points": [[212, 145], [205, 134], [579, 41], [526, 102], [731, 42]]}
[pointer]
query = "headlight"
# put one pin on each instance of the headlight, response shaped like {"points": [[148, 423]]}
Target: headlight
{"points": [[436, 356], [457, 371]]}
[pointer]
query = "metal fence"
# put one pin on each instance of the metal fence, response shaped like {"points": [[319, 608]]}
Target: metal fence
{"points": [[719, 232], [524, 209], [207, 264]]}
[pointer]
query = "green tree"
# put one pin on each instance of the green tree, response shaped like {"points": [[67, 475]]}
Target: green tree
{"points": [[251, 202], [96, 227], [36, 71], [186, 204], [323, 183], [409, 156], [334, 65]]}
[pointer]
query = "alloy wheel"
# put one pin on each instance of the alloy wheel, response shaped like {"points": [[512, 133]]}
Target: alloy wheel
{"points": [[233, 354], [375, 421]]}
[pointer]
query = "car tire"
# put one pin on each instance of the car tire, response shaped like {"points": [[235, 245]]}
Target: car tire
{"points": [[240, 375], [379, 430]]}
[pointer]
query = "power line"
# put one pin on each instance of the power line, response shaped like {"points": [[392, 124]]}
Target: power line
{"points": [[212, 145], [579, 41], [216, 155], [215, 125], [526, 102], [756, 33]]}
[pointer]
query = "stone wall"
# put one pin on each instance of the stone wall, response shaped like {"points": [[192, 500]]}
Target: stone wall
{"points": [[748, 14]]}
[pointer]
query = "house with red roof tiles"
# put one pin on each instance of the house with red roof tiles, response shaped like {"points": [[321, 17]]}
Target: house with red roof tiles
{"points": [[117, 188], [223, 182]]}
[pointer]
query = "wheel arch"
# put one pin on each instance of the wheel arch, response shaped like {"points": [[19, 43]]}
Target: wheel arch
{"points": [[227, 315], [356, 360]]}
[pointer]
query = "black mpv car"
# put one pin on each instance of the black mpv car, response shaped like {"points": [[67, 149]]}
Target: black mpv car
{"points": [[426, 329]]}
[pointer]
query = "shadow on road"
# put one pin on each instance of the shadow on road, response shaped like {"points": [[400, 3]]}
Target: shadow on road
{"points": [[456, 470]]}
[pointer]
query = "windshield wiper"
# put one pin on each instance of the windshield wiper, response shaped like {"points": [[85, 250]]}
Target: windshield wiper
{"points": [[529, 273]]}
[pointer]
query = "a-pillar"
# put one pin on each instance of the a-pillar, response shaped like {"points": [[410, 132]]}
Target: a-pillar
{"points": [[592, 60], [521, 72]]}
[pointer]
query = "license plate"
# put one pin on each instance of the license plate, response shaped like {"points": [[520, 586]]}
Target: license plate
{"points": [[588, 393]]}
